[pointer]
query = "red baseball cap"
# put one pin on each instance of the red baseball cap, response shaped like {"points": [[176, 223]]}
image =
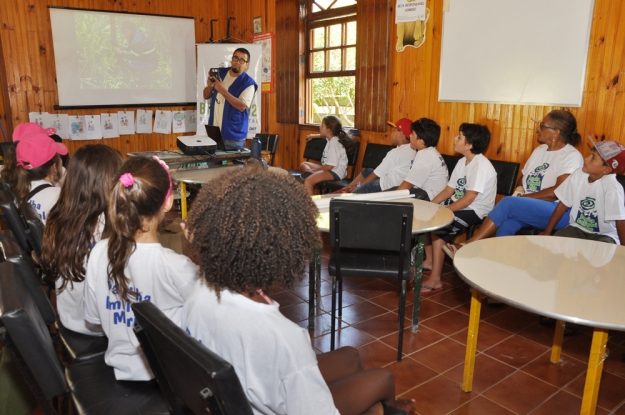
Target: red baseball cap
{"points": [[403, 125], [26, 129], [36, 150], [613, 154]]}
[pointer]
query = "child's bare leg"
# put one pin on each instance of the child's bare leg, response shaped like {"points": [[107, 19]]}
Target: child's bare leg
{"points": [[316, 177], [427, 261], [308, 166], [486, 229], [438, 259], [339, 363], [361, 393]]}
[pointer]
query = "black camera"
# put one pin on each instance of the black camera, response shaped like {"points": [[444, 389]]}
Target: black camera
{"points": [[213, 74]]}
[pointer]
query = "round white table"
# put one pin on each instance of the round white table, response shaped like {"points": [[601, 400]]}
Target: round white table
{"points": [[573, 280]]}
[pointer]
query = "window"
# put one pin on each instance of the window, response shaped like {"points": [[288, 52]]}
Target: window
{"points": [[331, 60]]}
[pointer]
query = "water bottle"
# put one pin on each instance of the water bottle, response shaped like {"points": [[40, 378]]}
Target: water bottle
{"points": [[256, 147]]}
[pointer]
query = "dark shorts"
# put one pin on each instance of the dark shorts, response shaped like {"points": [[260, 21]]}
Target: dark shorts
{"points": [[575, 232], [462, 220], [334, 175]]}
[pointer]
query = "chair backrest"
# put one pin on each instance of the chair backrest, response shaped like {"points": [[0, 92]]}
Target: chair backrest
{"points": [[25, 270], [314, 149], [27, 334], [35, 227], [269, 142], [507, 173], [621, 179], [374, 154], [365, 224], [451, 162], [352, 160], [14, 219], [199, 378]]}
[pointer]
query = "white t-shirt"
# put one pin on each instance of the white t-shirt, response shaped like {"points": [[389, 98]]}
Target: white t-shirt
{"points": [[271, 355], [542, 169], [479, 176], [428, 172], [45, 199], [160, 276], [70, 301], [335, 155], [246, 96], [395, 166], [594, 206]]}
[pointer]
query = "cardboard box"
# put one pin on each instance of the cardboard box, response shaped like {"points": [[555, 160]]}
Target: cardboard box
{"points": [[172, 237]]}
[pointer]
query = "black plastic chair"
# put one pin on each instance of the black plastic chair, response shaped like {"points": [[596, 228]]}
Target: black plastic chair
{"points": [[370, 239], [15, 220], [197, 379], [79, 346], [313, 151], [332, 185], [269, 142], [451, 162], [92, 384], [507, 173], [34, 226]]}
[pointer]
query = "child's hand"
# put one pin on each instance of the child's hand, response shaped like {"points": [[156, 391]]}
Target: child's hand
{"points": [[544, 233], [185, 231], [518, 191], [311, 136]]}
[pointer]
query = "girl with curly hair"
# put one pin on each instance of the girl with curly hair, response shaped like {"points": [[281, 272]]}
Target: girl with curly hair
{"points": [[334, 160], [254, 231], [74, 225], [132, 266]]}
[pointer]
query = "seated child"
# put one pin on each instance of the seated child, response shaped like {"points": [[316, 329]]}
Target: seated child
{"points": [[594, 196], [334, 159], [428, 174], [470, 194], [254, 231], [393, 168], [132, 266], [76, 223]]}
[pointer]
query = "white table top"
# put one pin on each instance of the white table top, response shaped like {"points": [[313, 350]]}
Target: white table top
{"points": [[568, 279], [427, 216]]}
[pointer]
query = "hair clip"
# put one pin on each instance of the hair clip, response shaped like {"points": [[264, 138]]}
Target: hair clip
{"points": [[127, 179]]}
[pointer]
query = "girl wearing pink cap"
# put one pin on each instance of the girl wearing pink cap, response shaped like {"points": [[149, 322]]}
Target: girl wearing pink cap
{"points": [[37, 168]]}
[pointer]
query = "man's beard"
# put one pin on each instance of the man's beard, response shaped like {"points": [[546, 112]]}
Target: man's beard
{"points": [[236, 70]]}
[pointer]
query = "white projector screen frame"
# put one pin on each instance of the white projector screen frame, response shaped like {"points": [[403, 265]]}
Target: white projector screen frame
{"points": [[108, 59], [515, 51]]}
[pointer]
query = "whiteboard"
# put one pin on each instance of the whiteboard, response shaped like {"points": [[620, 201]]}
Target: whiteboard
{"points": [[515, 51]]}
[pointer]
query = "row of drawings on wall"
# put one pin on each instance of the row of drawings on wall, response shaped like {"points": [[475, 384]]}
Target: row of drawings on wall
{"points": [[114, 124]]}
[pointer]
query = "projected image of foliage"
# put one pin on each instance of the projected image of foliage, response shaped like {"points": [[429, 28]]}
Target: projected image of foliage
{"points": [[122, 53]]}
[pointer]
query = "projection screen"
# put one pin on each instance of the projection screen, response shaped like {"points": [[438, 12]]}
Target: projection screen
{"points": [[122, 59]]}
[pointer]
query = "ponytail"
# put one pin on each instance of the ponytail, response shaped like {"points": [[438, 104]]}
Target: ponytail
{"points": [[20, 179], [334, 124], [140, 190]]}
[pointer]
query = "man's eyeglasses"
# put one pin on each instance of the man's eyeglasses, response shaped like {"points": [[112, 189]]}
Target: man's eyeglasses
{"points": [[236, 59]]}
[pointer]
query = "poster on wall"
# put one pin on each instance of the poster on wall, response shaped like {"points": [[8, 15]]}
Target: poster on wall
{"points": [[218, 55], [266, 41], [410, 18]]}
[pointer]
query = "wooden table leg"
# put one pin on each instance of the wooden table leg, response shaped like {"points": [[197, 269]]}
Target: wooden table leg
{"points": [[183, 199], [474, 323], [556, 348], [595, 367], [314, 279], [418, 278]]}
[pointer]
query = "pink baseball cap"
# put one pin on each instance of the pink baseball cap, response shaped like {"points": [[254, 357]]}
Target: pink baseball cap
{"points": [[403, 125], [613, 154], [36, 150], [26, 129]]}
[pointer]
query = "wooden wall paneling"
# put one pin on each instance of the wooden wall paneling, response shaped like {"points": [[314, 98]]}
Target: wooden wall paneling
{"points": [[287, 61]]}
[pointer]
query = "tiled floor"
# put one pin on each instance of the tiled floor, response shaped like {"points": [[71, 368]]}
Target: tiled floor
{"points": [[512, 371]]}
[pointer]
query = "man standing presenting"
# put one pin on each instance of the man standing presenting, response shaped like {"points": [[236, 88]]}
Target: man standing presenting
{"points": [[231, 95]]}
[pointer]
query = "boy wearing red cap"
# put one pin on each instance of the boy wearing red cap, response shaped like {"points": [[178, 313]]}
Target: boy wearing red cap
{"points": [[393, 168], [595, 197]]}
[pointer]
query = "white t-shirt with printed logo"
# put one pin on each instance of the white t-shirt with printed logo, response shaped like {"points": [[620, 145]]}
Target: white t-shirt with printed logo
{"points": [[160, 276], [334, 154], [395, 166], [542, 169], [44, 200], [272, 356], [429, 172], [594, 206], [479, 176]]}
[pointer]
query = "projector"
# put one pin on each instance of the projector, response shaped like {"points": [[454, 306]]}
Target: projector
{"points": [[196, 145]]}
